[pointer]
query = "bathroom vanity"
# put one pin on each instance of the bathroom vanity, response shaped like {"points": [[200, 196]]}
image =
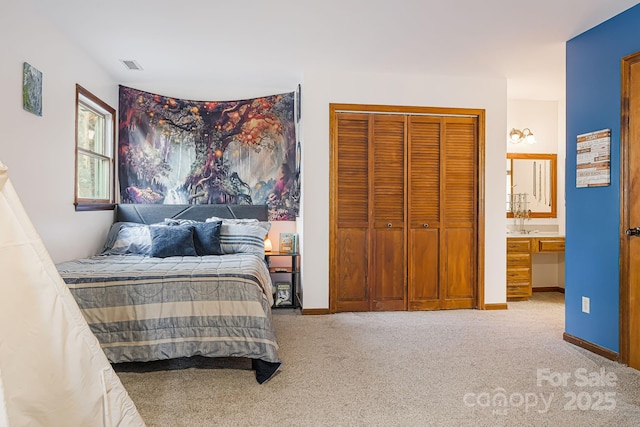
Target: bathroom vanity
{"points": [[521, 250], [535, 252]]}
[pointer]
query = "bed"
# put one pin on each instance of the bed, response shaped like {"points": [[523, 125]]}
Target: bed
{"points": [[164, 301]]}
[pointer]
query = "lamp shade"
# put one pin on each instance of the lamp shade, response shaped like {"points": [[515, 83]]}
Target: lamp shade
{"points": [[515, 136], [528, 136]]}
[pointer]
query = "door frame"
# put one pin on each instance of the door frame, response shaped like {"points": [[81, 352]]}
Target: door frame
{"points": [[626, 310], [394, 109]]}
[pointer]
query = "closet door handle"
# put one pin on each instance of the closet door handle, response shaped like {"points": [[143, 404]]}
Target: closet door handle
{"points": [[389, 225], [425, 225]]}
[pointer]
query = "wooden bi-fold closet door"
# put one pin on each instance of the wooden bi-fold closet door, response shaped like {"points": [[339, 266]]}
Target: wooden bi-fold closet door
{"points": [[403, 212], [369, 263], [442, 212]]}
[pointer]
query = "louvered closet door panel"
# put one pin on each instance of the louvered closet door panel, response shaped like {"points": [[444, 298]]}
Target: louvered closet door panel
{"points": [[388, 269], [350, 254], [459, 217], [388, 176], [459, 200], [424, 212], [353, 169], [424, 171]]}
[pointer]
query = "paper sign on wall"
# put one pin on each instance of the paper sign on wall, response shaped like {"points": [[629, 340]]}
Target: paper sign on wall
{"points": [[593, 165]]}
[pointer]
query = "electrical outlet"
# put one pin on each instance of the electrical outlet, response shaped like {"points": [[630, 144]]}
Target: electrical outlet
{"points": [[586, 305]]}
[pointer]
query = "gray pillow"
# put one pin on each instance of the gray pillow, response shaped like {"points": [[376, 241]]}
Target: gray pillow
{"points": [[207, 238], [171, 241]]}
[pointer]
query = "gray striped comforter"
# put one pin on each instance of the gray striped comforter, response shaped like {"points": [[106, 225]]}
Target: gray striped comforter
{"points": [[142, 308]]}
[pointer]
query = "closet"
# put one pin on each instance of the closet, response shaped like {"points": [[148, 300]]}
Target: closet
{"points": [[404, 209]]}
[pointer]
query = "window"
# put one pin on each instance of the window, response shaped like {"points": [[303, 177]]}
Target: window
{"points": [[95, 148]]}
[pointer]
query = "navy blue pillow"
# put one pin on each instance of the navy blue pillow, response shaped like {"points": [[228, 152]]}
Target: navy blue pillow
{"points": [[169, 241], [207, 237]]}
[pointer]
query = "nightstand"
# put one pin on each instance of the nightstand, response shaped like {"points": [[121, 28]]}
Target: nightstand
{"points": [[285, 276]]}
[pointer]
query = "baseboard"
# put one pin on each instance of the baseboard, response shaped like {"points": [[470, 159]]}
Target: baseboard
{"points": [[496, 306], [548, 289], [314, 311], [594, 348]]}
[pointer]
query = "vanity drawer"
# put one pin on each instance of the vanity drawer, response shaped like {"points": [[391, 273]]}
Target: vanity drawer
{"points": [[517, 291], [519, 255], [518, 260], [550, 245], [519, 275], [518, 245]]}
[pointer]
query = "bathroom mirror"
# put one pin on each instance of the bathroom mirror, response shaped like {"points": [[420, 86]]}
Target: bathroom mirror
{"points": [[531, 185]]}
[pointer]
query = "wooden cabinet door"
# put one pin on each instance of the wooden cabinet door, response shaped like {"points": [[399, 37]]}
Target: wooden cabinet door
{"points": [[423, 172], [388, 269], [458, 241], [349, 255]]}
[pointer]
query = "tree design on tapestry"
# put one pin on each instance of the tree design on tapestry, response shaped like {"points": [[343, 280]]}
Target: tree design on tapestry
{"points": [[176, 151]]}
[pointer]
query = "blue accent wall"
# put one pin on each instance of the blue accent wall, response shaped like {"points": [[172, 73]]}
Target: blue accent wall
{"points": [[593, 214]]}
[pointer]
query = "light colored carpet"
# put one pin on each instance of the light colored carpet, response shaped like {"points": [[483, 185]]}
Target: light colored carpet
{"points": [[445, 368]]}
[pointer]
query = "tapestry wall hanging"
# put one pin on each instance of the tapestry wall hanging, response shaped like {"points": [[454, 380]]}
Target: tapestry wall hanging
{"points": [[176, 151]]}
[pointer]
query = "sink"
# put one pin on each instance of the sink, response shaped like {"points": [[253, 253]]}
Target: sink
{"points": [[546, 234], [534, 233]]}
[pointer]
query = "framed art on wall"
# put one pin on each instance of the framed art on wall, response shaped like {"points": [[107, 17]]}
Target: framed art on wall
{"points": [[31, 89], [593, 164]]}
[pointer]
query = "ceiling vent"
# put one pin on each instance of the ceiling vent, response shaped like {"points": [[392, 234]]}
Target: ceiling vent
{"points": [[131, 64]]}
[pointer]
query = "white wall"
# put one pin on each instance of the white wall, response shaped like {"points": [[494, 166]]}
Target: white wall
{"points": [[562, 170], [39, 151], [324, 87]]}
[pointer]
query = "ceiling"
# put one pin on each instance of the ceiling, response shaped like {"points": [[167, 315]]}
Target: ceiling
{"points": [[201, 40]]}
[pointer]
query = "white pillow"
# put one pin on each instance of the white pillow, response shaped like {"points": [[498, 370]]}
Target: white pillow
{"points": [[232, 220], [245, 237]]}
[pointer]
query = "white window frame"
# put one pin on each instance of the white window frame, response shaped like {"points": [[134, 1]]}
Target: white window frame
{"points": [[92, 102]]}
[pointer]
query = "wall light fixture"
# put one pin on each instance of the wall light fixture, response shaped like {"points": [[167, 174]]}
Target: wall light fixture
{"points": [[516, 136]]}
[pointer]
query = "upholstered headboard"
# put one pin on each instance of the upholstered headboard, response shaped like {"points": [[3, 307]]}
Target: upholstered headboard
{"points": [[151, 214]]}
